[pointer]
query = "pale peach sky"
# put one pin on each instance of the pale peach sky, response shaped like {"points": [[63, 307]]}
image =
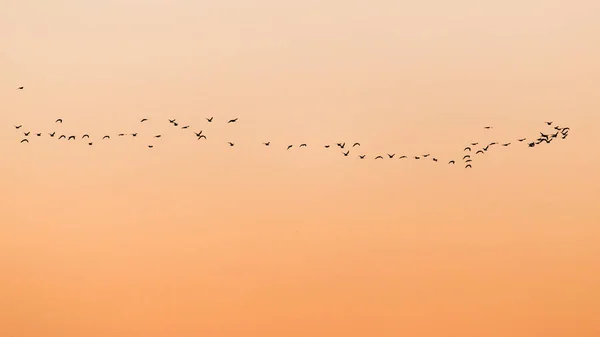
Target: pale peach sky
{"points": [[200, 239]]}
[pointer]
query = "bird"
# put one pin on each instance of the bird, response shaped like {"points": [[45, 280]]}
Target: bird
{"points": [[417, 157], [426, 155], [59, 120], [532, 144], [543, 135], [549, 123], [18, 126], [391, 155], [478, 152], [144, 120], [554, 135], [134, 134], [172, 121], [150, 146], [486, 148], [230, 143], [198, 133], [346, 153], [466, 156], [451, 162], [402, 157], [157, 136], [468, 161], [468, 166], [467, 148], [62, 136], [38, 134], [90, 143], [487, 127], [201, 136], [341, 145], [185, 127], [362, 156], [356, 144], [20, 88], [26, 133], [175, 124], [84, 136], [507, 144], [106, 137], [25, 140], [557, 128], [52, 134], [289, 147], [301, 145], [522, 139], [71, 137], [267, 143], [473, 144], [232, 120], [434, 159], [121, 134], [210, 119], [493, 143], [564, 135], [379, 157], [326, 146]]}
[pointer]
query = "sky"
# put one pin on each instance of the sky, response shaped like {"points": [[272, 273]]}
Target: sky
{"points": [[197, 238]]}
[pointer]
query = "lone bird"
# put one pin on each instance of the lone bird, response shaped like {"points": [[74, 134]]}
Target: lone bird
{"points": [[468, 166], [522, 139], [85, 136], [391, 155], [486, 148], [185, 127], [209, 119], [134, 134], [468, 161], [507, 144], [26, 133], [172, 121], [71, 138], [356, 144], [473, 144], [301, 145], [38, 134], [451, 162], [289, 147], [402, 157], [61, 137], [90, 143], [25, 140], [157, 136], [18, 126], [346, 153], [52, 134], [198, 133], [230, 143], [480, 151], [379, 157], [434, 159], [150, 146], [121, 134], [201, 136], [326, 146], [426, 155], [362, 156], [267, 143], [106, 137], [467, 156], [487, 127], [144, 120], [232, 120], [58, 120], [549, 123], [417, 157], [20, 88], [467, 148], [532, 144]]}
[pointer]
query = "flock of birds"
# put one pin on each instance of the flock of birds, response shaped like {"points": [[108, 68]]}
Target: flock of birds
{"points": [[556, 133]]}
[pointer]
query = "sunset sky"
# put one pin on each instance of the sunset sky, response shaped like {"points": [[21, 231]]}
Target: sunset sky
{"points": [[196, 238]]}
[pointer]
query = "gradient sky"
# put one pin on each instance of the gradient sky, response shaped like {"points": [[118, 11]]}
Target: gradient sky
{"points": [[199, 239]]}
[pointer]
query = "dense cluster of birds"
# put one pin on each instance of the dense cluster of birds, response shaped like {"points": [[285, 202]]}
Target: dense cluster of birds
{"points": [[469, 152]]}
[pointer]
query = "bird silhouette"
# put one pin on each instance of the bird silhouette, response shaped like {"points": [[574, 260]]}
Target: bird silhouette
{"points": [[346, 153], [198, 133], [564, 135], [487, 127], [121, 134], [341, 145], [210, 119], [18, 126], [468, 161], [486, 148], [532, 144], [417, 157], [379, 157], [549, 123], [473, 144], [71, 138], [172, 121], [267, 143], [466, 156], [289, 147], [201, 136], [467, 148], [185, 127], [59, 120], [326, 146], [493, 143], [62, 136], [134, 134], [507, 144], [543, 135], [20, 88], [52, 134], [230, 143], [391, 155], [522, 139], [106, 137], [144, 120], [85, 136], [25, 140], [175, 124], [38, 134], [426, 155], [26, 133], [480, 151], [362, 156], [232, 120], [157, 136], [90, 143], [434, 159], [451, 162], [301, 145], [356, 144], [150, 146], [468, 166], [402, 157]]}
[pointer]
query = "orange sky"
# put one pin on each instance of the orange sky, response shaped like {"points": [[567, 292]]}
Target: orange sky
{"points": [[196, 238]]}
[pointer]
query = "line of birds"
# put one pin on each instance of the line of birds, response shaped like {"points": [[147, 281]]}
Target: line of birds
{"points": [[467, 159], [561, 132]]}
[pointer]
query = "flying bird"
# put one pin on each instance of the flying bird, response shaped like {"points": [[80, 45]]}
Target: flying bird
{"points": [[62, 136], [466, 156], [25, 140], [468, 161], [467, 148], [157, 136], [175, 124], [201, 136], [121, 134], [230, 143], [486, 148], [326, 146], [289, 147], [71, 137], [522, 139], [134, 134], [507, 144], [532, 144], [391, 155], [301, 145], [18, 126], [417, 157], [38, 134], [144, 120], [90, 143], [402, 157], [20, 88], [487, 127], [172, 121], [362, 156], [549, 123], [451, 162], [434, 159], [426, 155], [267, 143], [198, 133], [356, 144], [185, 127], [84, 136], [210, 119], [26, 133], [468, 166], [58, 120], [52, 134], [232, 120], [346, 153], [341, 145], [478, 152], [150, 146], [106, 137], [473, 144], [379, 157]]}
